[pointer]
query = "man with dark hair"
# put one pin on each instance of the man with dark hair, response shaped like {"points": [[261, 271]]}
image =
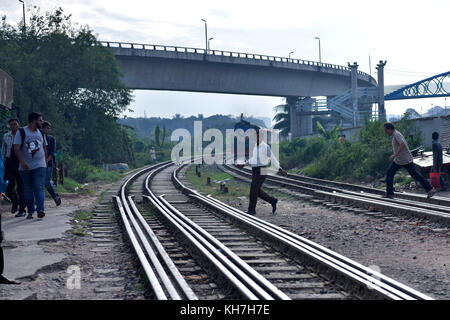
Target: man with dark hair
{"points": [[12, 170], [402, 158], [437, 157], [259, 162], [30, 148], [51, 152]]}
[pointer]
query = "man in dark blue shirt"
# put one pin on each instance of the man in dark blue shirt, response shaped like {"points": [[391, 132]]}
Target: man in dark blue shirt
{"points": [[437, 157], [51, 152]]}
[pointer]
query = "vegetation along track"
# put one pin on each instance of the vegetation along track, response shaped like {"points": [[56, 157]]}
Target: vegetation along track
{"points": [[369, 199], [192, 246]]}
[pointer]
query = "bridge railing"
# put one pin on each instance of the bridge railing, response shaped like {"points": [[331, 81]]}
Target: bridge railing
{"points": [[111, 44]]}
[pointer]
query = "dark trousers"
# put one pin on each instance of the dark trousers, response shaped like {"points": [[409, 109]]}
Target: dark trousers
{"points": [[256, 189], [393, 168], [48, 182], [13, 177]]}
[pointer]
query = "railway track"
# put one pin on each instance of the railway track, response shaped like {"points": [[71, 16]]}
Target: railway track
{"points": [[192, 247], [339, 194]]}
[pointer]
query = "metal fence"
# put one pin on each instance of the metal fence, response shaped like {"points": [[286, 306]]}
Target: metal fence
{"points": [[222, 53]]}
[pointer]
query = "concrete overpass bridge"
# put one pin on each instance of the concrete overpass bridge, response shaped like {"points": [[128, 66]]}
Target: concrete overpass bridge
{"points": [[154, 67]]}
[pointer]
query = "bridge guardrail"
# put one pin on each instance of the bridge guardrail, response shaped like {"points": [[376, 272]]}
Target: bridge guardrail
{"points": [[112, 44]]}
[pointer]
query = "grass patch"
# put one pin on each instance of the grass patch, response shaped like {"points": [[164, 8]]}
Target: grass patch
{"points": [[71, 186], [236, 188], [81, 222]]}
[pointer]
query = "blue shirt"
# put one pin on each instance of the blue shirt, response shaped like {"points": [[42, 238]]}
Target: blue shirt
{"points": [[437, 153], [51, 149]]}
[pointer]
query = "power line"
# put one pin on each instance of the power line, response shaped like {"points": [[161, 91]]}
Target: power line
{"points": [[416, 72]]}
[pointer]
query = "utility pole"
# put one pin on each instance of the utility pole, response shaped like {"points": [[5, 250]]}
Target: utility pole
{"points": [[290, 54]]}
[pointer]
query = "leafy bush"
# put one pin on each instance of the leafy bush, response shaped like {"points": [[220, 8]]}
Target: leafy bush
{"points": [[78, 168], [83, 171], [365, 159]]}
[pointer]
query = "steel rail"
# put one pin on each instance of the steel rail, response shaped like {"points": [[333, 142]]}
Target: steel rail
{"points": [[417, 208], [164, 284], [359, 273], [440, 201], [256, 276], [294, 237], [152, 279], [242, 276]]}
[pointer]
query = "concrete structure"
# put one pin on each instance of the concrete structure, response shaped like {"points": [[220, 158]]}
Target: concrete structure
{"points": [[189, 69], [439, 124], [381, 109], [6, 89], [151, 67]]}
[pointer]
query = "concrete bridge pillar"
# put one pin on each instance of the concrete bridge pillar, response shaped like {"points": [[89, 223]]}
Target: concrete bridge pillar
{"points": [[381, 109], [354, 90], [301, 124], [306, 119], [295, 124]]}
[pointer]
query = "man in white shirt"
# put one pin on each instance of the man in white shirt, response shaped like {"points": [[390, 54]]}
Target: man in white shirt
{"points": [[259, 161]]}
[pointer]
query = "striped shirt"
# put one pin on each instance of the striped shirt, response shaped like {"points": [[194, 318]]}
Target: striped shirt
{"points": [[7, 144]]}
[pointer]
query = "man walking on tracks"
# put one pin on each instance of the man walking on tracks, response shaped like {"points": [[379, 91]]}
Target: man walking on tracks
{"points": [[259, 161], [402, 158], [30, 147], [437, 157]]}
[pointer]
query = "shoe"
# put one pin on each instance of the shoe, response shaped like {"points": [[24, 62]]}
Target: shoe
{"points": [[251, 212], [30, 216], [274, 206], [14, 208], [20, 214], [41, 214], [389, 196], [431, 193], [4, 280], [57, 200]]}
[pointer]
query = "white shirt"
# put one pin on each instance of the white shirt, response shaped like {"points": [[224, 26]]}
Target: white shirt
{"points": [[261, 156]]}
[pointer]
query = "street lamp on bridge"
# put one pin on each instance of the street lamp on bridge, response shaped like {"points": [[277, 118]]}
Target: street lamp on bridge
{"points": [[209, 46], [320, 53], [290, 54], [206, 36], [23, 9]]}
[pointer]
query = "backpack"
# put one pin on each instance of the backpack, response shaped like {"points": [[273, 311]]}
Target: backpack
{"points": [[23, 136]]}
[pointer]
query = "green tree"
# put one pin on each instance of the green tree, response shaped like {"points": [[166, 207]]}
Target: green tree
{"points": [[283, 119], [63, 72]]}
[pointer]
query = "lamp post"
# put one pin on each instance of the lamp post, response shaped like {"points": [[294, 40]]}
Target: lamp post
{"points": [[206, 36], [23, 9], [209, 46], [290, 54], [320, 53]]}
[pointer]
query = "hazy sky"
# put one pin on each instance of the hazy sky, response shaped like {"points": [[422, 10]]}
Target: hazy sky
{"points": [[411, 35]]}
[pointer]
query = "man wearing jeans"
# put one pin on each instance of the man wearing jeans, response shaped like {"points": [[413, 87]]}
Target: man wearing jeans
{"points": [[12, 170], [30, 147], [402, 158], [51, 152]]}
